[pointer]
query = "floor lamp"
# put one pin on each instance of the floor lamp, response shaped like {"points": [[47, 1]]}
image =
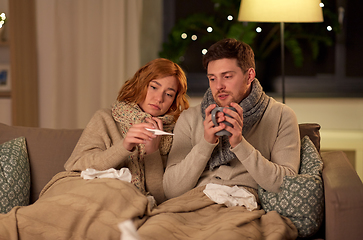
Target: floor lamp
{"points": [[282, 11]]}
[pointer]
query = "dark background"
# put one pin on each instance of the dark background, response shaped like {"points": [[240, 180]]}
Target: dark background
{"points": [[337, 71]]}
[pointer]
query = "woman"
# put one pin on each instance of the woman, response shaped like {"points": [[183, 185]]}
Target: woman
{"points": [[70, 207], [114, 138]]}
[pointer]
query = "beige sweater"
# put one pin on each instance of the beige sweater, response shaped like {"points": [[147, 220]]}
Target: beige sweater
{"points": [[269, 151], [101, 147]]}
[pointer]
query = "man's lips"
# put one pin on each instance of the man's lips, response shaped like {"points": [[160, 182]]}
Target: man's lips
{"points": [[223, 95]]}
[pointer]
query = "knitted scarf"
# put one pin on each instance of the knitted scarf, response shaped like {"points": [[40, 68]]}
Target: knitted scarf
{"points": [[254, 105], [129, 113]]}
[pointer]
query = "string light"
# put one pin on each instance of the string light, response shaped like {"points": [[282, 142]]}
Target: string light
{"points": [[194, 37], [184, 36], [2, 19], [258, 29], [230, 18], [329, 28], [204, 51], [209, 29]]}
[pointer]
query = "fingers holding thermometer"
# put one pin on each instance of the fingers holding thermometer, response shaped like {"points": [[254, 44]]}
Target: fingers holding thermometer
{"points": [[138, 134], [145, 133], [153, 145]]}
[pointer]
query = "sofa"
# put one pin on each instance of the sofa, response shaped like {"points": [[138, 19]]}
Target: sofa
{"points": [[48, 150]]}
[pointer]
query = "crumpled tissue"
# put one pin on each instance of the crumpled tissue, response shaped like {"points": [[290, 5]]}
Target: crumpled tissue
{"points": [[230, 196], [123, 174], [128, 231]]}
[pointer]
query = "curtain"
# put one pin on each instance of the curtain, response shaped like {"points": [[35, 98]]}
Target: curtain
{"points": [[23, 60], [87, 49]]}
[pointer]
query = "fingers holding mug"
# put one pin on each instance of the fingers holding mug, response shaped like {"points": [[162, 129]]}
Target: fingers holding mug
{"points": [[237, 113], [219, 116]]}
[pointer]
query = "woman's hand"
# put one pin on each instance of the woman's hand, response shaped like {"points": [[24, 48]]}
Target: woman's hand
{"points": [[138, 134], [153, 145]]}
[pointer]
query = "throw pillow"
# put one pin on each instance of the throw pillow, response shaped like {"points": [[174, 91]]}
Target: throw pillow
{"points": [[302, 196], [14, 174]]}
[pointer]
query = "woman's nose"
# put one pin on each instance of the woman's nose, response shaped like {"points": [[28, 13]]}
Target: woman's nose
{"points": [[159, 97]]}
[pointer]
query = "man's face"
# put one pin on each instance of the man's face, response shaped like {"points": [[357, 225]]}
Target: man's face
{"points": [[227, 81]]}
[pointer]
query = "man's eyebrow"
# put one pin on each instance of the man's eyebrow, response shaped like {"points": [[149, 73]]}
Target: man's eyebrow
{"points": [[156, 82], [223, 73]]}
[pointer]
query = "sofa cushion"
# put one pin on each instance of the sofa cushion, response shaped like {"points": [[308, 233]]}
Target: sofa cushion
{"points": [[302, 196], [48, 150], [14, 174]]}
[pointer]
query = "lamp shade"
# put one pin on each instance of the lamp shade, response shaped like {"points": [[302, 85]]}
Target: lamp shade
{"points": [[280, 11]]}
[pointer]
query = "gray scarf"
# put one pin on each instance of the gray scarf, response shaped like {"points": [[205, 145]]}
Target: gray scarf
{"points": [[254, 106]]}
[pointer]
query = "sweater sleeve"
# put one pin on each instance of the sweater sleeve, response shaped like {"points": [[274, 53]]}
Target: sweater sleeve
{"points": [[100, 145], [187, 160], [284, 159], [154, 170]]}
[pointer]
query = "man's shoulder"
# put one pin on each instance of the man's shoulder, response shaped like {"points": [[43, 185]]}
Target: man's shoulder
{"points": [[192, 111], [191, 116], [276, 106], [279, 112]]}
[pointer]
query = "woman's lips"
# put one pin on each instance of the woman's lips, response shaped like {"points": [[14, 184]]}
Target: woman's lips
{"points": [[155, 106]]}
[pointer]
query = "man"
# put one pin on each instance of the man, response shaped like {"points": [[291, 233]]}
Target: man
{"points": [[264, 145]]}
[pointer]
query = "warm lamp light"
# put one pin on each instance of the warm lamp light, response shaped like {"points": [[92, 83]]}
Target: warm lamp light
{"points": [[282, 11]]}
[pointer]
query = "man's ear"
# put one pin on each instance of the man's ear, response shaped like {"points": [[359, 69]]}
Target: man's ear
{"points": [[251, 74]]}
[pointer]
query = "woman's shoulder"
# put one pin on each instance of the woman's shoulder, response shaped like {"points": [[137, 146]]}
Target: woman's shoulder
{"points": [[101, 117], [103, 113]]}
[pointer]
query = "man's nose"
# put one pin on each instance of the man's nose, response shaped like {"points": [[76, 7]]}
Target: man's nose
{"points": [[220, 84]]}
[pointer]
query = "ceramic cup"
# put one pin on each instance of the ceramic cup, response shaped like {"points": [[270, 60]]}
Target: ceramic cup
{"points": [[214, 113]]}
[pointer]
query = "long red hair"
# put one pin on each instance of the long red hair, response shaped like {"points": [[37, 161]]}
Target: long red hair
{"points": [[135, 89]]}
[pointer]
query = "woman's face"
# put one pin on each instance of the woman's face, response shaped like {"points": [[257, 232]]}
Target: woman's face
{"points": [[160, 96]]}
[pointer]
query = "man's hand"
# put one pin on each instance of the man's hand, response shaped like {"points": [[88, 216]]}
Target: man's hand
{"points": [[209, 129], [236, 120]]}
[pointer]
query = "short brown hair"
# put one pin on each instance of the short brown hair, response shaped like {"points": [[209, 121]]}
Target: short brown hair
{"points": [[231, 48], [135, 89]]}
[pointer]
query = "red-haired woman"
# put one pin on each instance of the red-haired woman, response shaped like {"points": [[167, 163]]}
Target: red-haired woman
{"points": [[114, 138]]}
